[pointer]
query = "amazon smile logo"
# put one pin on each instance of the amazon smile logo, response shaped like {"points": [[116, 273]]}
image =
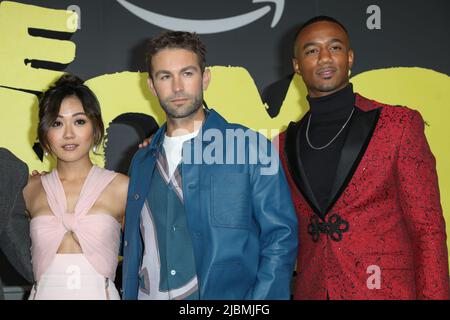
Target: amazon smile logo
{"points": [[207, 26]]}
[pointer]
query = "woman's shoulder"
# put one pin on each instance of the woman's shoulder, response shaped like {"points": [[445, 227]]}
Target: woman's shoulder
{"points": [[120, 183], [33, 181], [122, 179], [33, 188], [116, 193]]}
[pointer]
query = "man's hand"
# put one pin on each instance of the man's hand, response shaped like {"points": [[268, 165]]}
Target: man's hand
{"points": [[37, 173], [146, 142]]}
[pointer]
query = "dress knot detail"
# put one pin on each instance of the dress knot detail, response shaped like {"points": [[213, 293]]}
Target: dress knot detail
{"points": [[70, 221]]}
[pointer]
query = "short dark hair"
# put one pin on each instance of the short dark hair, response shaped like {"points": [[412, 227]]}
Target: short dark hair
{"points": [[175, 40], [314, 20], [50, 104]]}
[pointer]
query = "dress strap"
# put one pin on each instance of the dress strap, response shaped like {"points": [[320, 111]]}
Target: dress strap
{"points": [[96, 182], [54, 191]]}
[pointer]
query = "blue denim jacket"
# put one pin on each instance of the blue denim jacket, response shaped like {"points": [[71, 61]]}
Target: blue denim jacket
{"points": [[241, 218]]}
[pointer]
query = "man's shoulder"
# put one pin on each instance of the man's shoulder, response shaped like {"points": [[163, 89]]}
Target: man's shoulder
{"points": [[370, 104], [217, 121], [220, 123], [140, 156], [394, 113], [238, 127], [9, 162], [6, 155]]}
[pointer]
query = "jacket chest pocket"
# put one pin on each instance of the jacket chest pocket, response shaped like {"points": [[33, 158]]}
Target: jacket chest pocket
{"points": [[231, 201]]}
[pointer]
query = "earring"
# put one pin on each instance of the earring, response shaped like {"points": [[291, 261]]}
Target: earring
{"points": [[94, 149], [46, 153], [349, 72]]}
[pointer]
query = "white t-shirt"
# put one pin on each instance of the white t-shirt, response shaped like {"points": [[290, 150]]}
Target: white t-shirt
{"points": [[173, 147]]}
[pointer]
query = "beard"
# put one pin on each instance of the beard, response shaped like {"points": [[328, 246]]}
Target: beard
{"points": [[338, 81], [327, 87], [175, 112]]}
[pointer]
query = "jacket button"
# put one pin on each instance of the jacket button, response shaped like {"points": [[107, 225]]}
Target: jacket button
{"points": [[136, 196], [173, 272], [125, 243]]}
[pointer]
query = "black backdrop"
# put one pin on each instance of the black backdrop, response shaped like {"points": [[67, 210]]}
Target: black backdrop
{"points": [[413, 33]]}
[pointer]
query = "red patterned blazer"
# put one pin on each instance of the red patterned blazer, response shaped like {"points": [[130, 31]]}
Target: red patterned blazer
{"points": [[382, 235]]}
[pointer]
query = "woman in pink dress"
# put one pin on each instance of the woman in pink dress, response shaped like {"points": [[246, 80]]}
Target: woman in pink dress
{"points": [[77, 210]]}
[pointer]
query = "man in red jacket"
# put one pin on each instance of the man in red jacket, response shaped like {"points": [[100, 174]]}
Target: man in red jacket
{"points": [[364, 185]]}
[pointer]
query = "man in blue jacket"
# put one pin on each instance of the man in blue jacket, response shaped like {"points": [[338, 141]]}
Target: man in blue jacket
{"points": [[209, 214]]}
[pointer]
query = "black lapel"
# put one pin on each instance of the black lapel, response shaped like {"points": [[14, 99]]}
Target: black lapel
{"points": [[295, 165], [358, 137]]}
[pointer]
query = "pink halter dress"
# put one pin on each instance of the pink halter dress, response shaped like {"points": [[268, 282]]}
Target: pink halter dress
{"points": [[86, 276]]}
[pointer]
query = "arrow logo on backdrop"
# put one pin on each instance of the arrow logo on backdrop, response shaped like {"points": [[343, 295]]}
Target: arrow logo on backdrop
{"points": [[206, 26]]}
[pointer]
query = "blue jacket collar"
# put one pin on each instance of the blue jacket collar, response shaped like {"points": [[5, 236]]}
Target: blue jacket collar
{"points": [[212, 120]]}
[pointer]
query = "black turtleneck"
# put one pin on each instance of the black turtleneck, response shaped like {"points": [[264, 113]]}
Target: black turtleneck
{"points": [[328, 115]]}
